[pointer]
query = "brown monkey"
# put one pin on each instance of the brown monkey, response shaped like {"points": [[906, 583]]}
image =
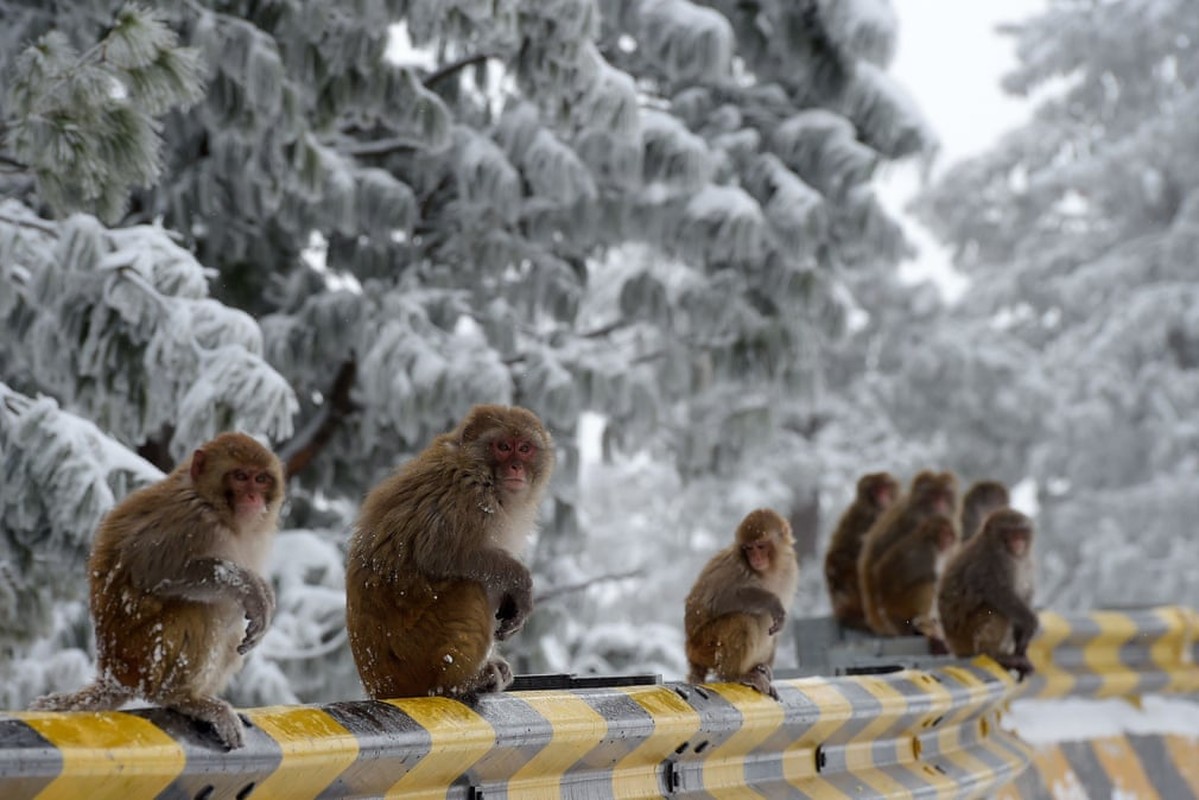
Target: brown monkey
{"points": [[986, 591], [907, 575], [739, 601], [175, 573], [981, 499], [876, 492], [432, 576], [930, 493]]}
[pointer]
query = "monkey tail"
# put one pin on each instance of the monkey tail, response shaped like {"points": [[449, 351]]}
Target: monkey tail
{"points": [[101, 695]]}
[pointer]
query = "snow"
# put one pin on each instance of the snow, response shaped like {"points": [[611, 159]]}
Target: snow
{"points": [[1074, 718]]}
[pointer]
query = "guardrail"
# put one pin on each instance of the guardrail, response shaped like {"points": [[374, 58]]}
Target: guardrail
{"points": [[914, 733], [888, 731], [1115, 653]]}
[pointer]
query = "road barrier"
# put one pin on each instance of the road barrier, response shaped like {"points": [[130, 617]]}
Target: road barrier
{"points": [[1115, 653], [889, 731], [911, 733]]}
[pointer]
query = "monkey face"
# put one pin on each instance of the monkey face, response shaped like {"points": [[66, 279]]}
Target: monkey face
{"points": [[248, 491], [513, 458], [1017, 541], [758, 555]]}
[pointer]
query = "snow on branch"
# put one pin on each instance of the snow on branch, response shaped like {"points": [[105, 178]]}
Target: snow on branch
{"points": [[119, 327], [691, 43], [866, 29], [822, 148]]}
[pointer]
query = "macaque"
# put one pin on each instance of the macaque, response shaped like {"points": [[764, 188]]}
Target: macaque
{"points": [[930, 493], [432, 576], [907, 578], [986, 591], [739, 601], [177, 588], [876, 492], [981, 499]]}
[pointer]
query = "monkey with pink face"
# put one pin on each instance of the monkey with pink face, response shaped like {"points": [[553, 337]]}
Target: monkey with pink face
{"points": [[177, 588], [433, 576]]}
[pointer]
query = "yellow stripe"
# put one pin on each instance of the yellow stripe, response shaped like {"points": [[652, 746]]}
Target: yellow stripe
{"points": [[1184, 752], [460, 738], [1056, 774], [675, 722], [1102, 654], [1053, 631], [761, 717], [859, 755], [578, 729], [316, 749], [799, 758], [107, 754], [1171, 652], [1121, 764], [950, 742]]}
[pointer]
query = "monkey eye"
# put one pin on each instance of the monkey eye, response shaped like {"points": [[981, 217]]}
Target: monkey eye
{"points": [[262, 477], [525, 448], [503, 447], [240, 475]]}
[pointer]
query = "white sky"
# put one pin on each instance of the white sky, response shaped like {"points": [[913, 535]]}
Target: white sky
{"points": [[950, 59]]}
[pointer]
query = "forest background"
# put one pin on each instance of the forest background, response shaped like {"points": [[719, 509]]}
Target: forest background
{"points": [[655, 222]]}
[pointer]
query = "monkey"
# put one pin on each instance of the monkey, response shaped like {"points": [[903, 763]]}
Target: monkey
{"points": [[738, 603], [175, 573], [981, 499], [433, 578], [906, 578], [876, 492], [930, 493], [985, 595]]}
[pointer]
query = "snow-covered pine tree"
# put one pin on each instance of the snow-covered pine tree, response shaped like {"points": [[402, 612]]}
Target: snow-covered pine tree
{"points": [[1079, 231], [648, 209]]}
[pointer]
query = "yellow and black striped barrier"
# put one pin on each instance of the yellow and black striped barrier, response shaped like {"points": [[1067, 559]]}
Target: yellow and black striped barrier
{"points": [[1115, 653], [909, 733], [1162, 767]]}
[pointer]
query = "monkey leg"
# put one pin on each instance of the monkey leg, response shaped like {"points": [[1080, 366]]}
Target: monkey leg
{"points": [[423, 640], [697, 673], [216, 712], [731, 645], [905, 612], [103, 694], [760, 678]]}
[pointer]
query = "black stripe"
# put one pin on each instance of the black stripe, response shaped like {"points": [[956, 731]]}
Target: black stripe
{"points": [[521, 733], [1160, 767], [383, 731], [28, 761], [209, 769], [1091, 774]]}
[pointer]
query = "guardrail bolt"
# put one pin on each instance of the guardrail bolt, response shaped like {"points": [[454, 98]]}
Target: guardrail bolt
{"points": [[821, 759]]}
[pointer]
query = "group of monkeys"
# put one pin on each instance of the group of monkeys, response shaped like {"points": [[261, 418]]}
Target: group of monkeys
{"points": [[916, 565], [433, 576]]}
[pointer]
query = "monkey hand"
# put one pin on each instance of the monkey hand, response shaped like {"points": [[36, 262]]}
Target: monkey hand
{"points": [[259, 602], [514, 608], [777, 615]]}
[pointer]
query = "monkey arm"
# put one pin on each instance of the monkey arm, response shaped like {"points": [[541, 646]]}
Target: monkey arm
{"points": [[750, 600], [209, 580], [1023, 619], [507, 581]]}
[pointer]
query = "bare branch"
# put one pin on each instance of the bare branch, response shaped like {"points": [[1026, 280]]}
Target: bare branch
{"points": [[572, 588], [307, 444]]}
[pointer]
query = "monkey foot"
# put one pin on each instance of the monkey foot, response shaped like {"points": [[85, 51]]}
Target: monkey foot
{"points": [[759, 678], [217, 713], [1020, 664]]}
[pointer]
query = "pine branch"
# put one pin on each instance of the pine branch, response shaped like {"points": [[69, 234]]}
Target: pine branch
{"points": [[307, 444], [35, 224], [572, 588], [455, 66], [12, 162]]}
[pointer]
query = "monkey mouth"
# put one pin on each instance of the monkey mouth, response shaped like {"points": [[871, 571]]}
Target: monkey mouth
{"points": [[513, 484]]}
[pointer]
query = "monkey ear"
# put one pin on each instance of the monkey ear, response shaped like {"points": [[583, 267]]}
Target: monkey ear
{"points": [[197, 468]]}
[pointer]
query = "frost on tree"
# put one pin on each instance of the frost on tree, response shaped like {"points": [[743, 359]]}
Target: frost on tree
{"points": [[1079, 231], [660, 211]]}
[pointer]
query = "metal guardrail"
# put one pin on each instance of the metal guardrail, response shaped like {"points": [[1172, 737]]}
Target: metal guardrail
{"points": [[1115, 653], [1145, 767], [920, 734], [880, 727]]}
